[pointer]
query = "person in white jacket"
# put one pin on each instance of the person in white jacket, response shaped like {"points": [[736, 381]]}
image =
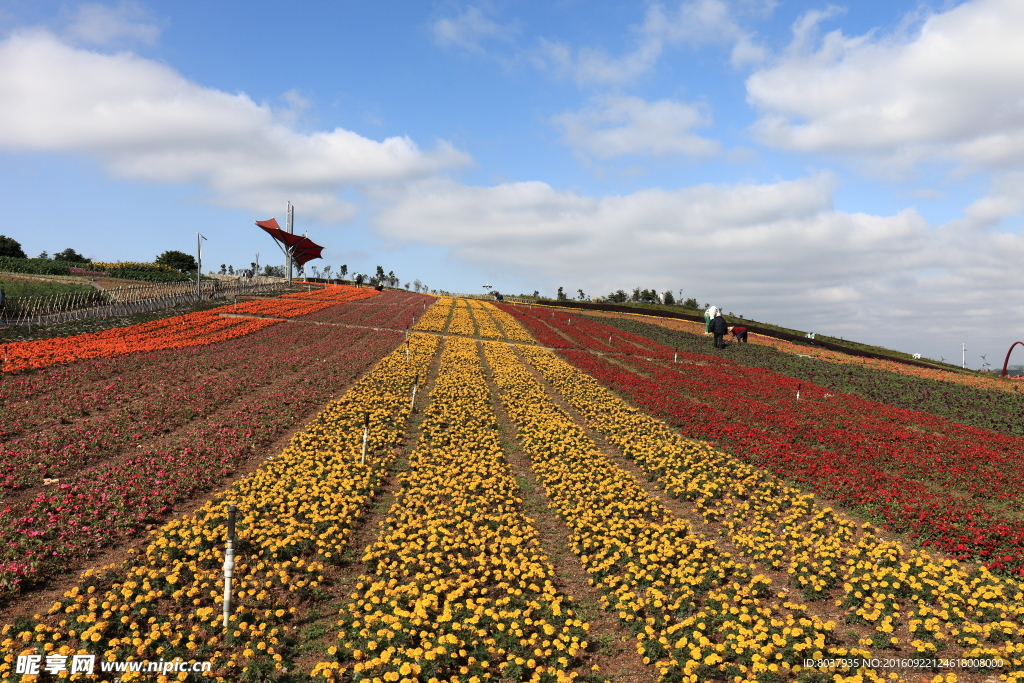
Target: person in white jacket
{"points": [[709, 315]]}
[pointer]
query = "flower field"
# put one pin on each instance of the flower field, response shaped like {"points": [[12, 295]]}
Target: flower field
{"points": [[296, 513], [177, 332], [951, 486], [970, 398], [697, 329], [684, 482], [459, 583]]}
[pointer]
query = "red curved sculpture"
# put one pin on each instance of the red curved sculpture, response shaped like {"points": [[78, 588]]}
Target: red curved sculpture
{"points": [[301, 248], [1007, 361]]}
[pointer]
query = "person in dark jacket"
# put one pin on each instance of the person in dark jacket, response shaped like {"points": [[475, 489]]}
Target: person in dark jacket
{"points": [[719, 328]]}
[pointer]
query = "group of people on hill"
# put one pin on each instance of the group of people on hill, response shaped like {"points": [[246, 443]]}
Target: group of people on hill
{"points": [[715, 324]]}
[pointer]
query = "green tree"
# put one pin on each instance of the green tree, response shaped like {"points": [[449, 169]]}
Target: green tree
{"points": [[618, 296], [70, 254], [179, 260], [669, 299], [10, 247], [691, 303], [561, 295]]}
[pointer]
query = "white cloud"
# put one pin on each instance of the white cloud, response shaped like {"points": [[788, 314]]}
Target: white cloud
{"points": [[617, 125], [775, 250], [952, 89], [146, 122], [469, 29], [696, 23], [98, 24]]}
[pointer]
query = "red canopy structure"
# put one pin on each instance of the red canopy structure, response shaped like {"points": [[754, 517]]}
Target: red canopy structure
{"points": [[300, 247]]}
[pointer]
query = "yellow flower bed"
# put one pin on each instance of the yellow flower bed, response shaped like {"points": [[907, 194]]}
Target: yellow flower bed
{"points": [[295, 514], [485, 327], [462, 319], [697, 613], [513, 331], [436, 317], [878, 583], [459, 588], [130, 265]]}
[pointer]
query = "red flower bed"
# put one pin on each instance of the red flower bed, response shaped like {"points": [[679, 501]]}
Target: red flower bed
{"points": [[394, 310], [562, 330], [940, 481]]}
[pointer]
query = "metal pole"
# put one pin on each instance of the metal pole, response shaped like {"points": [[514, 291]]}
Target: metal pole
{"points": [[963, 362], [415, 384], [290, 216], [199, 265], [229, 567]]}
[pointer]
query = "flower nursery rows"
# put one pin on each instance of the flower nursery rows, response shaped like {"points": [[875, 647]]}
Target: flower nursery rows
{"points": [[471, 317], [296, 513], [741, 578], [111, 437], [946, 484], [175, 332], [965, 398]]}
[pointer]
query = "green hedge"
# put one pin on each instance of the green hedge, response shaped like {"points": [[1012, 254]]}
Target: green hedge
{"points": [[36, 266]]}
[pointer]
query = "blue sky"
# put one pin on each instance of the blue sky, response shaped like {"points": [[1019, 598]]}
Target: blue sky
{"points": [[855, 170]]}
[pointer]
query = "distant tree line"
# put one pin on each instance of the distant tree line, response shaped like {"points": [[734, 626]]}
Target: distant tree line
{"points": [[644, 296]]}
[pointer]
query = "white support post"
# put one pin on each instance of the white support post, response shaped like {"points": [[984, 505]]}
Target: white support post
{"points": [[229, 567], [366, 435]]}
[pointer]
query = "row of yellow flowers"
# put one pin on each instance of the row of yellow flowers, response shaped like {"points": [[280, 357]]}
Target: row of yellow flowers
{"points": [[485, 326], [697, 613], [462, 319], [511, 329], [946, 607], [436, 317], [295, 514], [458, 588]]}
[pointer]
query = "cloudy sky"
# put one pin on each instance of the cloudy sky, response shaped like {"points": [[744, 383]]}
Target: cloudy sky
{"points": [[855, 170]]}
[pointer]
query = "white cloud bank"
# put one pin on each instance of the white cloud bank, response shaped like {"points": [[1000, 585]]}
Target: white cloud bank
{"points": [[778, 250], [145, 121], [951, 90], [617, 125]]}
